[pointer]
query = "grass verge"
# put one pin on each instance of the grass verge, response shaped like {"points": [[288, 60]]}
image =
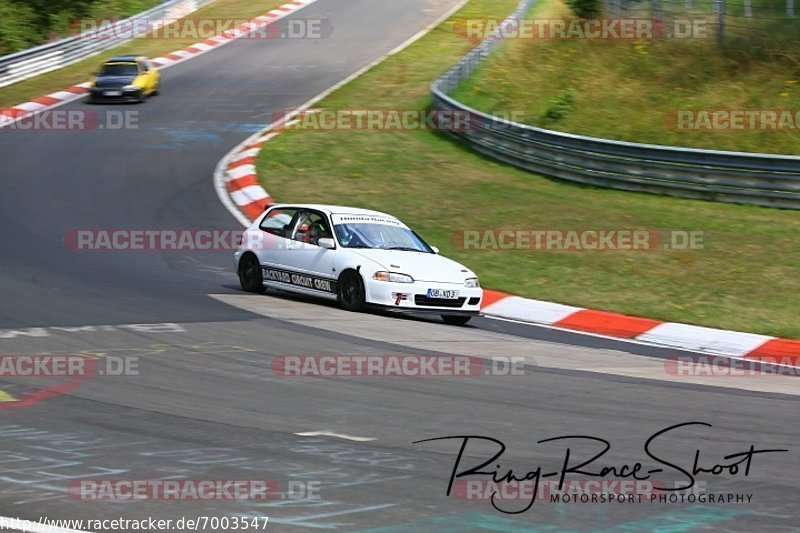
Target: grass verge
{"points": [[632, 90], [746, 280], [80, 72]]}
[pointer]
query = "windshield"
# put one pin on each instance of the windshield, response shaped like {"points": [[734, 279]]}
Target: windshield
{"points": [[380, 236], [119, 69]]}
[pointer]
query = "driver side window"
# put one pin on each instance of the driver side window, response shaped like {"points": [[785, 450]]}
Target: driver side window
{"points": [[310, 227]]}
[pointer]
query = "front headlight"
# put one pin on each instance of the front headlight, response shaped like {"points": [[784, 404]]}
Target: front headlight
{"points": [[471, 283], [130, 88], [392, 276]]}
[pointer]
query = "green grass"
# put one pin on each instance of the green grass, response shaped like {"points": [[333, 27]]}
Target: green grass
{"points": [[625, 89], [152, 47], [748, 279]]}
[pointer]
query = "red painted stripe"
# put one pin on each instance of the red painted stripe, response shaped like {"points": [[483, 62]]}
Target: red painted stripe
{"points": [[193, 50], [173, 56], [246, 161], [491, 297], [13, 112], [47, 100], [32, 398], [785, 351], [241, 183], [606, 323], [254, 209], [251, 211], [285, 9], [77, 89], [212, 41]]}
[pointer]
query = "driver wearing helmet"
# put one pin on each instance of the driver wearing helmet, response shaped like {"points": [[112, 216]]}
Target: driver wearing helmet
{"points": [[318, 230]]}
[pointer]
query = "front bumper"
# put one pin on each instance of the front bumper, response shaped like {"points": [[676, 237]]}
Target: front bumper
{"points": [[97, 94], [413, 297], [422, 312]]}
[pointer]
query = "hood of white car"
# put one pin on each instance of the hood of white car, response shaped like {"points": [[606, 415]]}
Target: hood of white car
{"points": [[418, 265]]}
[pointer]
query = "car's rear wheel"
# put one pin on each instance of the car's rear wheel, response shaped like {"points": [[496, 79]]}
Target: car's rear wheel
{"points": [[250, 276], [350, 291], [455, 320]]}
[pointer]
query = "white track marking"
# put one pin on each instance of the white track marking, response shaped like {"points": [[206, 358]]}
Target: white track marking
{"points": [[701, 339], [527, 310], [325, 433]]}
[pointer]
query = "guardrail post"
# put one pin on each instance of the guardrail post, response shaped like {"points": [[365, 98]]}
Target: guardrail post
{"points": [[719, 7]]}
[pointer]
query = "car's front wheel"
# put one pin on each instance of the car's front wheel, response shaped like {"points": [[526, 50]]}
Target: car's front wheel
{"points": [[250, 277], [350, 291], [455, 320]]}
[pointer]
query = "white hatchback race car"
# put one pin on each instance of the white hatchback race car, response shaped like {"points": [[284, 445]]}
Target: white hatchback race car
{"points": [[357, 257]]}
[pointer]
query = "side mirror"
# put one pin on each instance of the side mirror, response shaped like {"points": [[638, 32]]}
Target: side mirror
{"points": [[326, 242], [435, 249]]}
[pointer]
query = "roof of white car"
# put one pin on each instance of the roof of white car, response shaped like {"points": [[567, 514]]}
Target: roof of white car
{"points": [[339, 209]]}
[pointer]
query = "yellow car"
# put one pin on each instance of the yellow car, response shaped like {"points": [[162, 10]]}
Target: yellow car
{"points": [[125, 79]]}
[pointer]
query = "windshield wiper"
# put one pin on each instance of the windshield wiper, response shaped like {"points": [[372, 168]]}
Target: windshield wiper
{"points": [[404, 248]]}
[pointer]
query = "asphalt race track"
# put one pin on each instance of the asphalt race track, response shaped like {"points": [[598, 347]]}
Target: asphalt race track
{"points": [[205, 403]]}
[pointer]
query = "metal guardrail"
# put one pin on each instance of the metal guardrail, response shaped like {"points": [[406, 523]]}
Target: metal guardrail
{"points": [[736, 177], [51, 56]]}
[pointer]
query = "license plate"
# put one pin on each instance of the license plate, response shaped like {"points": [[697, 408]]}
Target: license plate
{"points": [[442, 294], [112, 93]]}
